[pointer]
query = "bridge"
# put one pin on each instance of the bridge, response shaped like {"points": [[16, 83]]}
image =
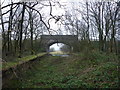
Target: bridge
{"points": [[48, 40]]}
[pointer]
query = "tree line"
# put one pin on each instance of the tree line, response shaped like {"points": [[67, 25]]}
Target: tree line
{"points": [[100, 21], [22, 28], [22, 24]]}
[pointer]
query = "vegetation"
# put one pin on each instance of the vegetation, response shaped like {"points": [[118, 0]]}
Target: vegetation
{"points": [[94, 70], [24, 25], [51, 50], [57, 52], [19, 61], [65, 48], [94, 60]]}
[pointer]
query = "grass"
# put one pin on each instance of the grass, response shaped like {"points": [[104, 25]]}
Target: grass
{"points": [[59, 52], [10, 64], [94, 70]]}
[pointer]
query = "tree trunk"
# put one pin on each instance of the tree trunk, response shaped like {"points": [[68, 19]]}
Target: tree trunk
{"points": [[9, 29], [21, 28], [31, 30]]}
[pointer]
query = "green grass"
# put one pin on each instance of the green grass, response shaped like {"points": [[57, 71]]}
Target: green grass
{"points": [[94, 70], [9, 64]]}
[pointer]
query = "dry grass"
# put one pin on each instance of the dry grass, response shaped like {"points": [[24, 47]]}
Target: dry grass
{"points": [[59, 52]]}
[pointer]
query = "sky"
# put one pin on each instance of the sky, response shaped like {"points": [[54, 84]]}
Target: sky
{"points": [[57, 46], [56, 11]]}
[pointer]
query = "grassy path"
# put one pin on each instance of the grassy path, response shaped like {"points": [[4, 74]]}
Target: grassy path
{"points": [[70, 72]]}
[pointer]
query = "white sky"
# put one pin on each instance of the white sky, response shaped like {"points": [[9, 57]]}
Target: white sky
{"points": [[56, 11], [57, 46]]}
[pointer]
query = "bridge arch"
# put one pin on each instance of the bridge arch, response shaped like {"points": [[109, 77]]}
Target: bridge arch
{"points": [[48, 47], [48, 40]]}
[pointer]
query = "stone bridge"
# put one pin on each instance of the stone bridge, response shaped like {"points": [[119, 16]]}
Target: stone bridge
{"points": [[48, 40]]}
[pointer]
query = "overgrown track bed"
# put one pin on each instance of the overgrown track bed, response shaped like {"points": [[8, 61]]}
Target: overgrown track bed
{"points": [[96, 70]]}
